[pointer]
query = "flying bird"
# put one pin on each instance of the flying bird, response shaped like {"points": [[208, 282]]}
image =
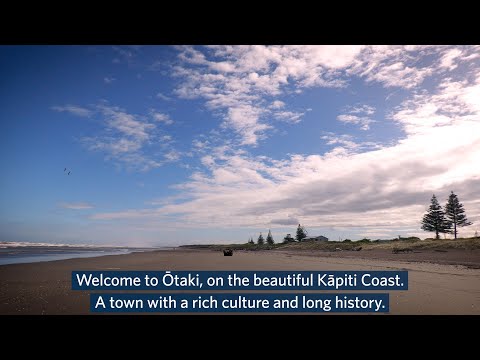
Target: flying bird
{"points": [[68, 173], [64, 169]]}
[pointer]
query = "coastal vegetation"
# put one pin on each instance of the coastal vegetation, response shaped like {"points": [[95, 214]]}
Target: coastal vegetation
{"points": [[413, 243]]}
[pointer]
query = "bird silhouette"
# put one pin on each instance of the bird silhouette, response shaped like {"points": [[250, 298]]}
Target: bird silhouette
{"points": [[64, 169], [68, 173]]}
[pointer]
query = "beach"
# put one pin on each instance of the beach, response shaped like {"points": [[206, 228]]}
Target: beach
{"points": [[440, 283]]}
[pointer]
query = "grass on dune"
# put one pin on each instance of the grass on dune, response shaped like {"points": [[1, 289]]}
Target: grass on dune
{"points": [[365, 244]]}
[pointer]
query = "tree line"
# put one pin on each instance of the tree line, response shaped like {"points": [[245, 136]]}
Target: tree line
{"points": [[445, 220], [261, 240], [300, 235]]}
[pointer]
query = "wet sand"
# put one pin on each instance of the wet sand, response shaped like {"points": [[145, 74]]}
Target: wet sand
{"points": [[440, 283]]}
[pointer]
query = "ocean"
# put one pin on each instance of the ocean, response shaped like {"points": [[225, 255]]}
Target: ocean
{"points": [[17, 253]]}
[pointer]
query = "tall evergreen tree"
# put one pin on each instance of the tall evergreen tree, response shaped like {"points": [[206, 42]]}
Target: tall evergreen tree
{"points": [[434, 219], [260, 240], [455, 214], [301, 233], [270, 238]]}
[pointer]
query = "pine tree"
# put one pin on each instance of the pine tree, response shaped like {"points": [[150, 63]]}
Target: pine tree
{"points": [[301, 233], [434, 219], [270, 238], [455, 214], [260, 240]]}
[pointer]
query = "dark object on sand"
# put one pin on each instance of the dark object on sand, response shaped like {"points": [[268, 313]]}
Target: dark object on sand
{"points": [[358, 248], [406, 250], [227, 252]]}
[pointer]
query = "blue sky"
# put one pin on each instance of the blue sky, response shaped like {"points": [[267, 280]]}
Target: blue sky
{"points": [[170, 145]]}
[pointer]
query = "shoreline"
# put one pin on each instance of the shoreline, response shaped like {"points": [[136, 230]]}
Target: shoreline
{"points": [[441, 288]]}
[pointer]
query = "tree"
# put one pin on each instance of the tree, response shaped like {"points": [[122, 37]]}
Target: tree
{"points": [[270, 238], [260, 240], [434, 219], [455, 214], [301, 233], [288, 238], [251, 241]]}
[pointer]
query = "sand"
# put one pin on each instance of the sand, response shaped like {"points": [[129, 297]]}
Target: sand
{"points": [[440, 283]]}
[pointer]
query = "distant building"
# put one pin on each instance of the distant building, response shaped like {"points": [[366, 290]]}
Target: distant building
{"points": [[315, 238]]}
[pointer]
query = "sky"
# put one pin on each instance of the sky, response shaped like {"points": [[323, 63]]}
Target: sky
{"points": [[173, 145]]}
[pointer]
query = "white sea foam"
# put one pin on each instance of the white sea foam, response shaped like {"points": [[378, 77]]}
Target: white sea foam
{"points": [[8, 244]]}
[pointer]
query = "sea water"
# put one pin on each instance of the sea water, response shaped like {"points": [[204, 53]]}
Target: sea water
{"points": [[17, 253]]}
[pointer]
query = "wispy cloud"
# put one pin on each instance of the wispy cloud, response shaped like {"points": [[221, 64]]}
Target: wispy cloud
{"points": [[76, 206], [393, 66], [354, 119], [172, 156], [345, 145], [108, 79], [289, 116], [125, 54], [163, 97], [361, 109], [73, 109], [125, 137]]}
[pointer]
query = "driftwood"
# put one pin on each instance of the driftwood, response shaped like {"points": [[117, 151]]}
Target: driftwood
{"points": [[227, 252]]}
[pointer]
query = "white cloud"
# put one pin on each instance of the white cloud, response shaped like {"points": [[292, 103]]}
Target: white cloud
{"points": [[362, 118], [76, 206], [172, 156], [289, 116], [448, 58], [400, 75], [354, 119], [160, 117], [362, 109], [73, 109], [200, 145], [126, 124], [345, 140], [393, 66], [108, 79], [347, 144], [277, 104], [244, 119]]}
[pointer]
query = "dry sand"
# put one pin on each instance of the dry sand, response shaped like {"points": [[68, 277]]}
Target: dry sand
{"points": [[445, 285]]}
